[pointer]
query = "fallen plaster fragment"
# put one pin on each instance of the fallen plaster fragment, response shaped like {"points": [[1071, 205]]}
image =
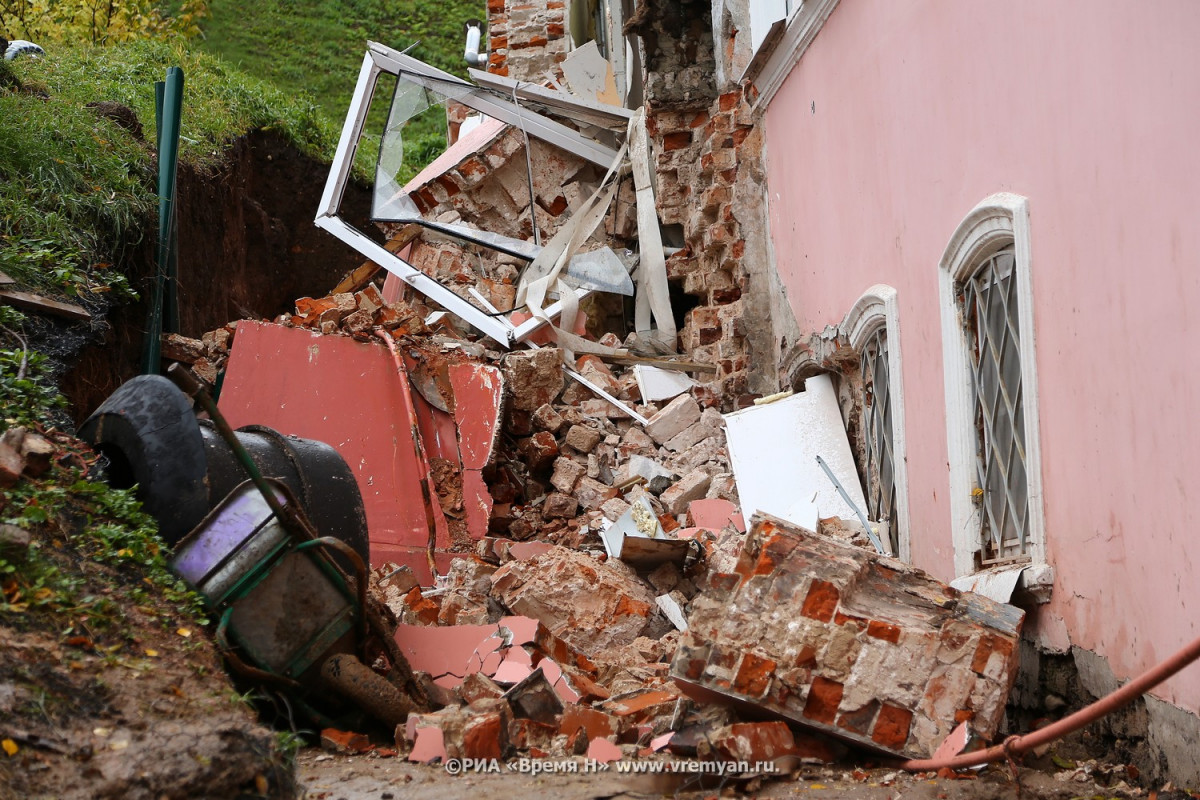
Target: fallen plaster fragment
{"points": [[660, 384], [856, 645], [786, 481], [715, 513], [590, 76], [430, 746], [672, 611], [604, 751], [660, 742], [995, 584]]}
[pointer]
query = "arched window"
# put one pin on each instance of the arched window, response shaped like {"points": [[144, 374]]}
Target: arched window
{"points": [[991, 388], [873, 329]]}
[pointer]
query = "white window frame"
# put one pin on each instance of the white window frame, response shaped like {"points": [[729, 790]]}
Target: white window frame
{"points": [[783, 45], [998, 221], [381, 59], [879, 307]]}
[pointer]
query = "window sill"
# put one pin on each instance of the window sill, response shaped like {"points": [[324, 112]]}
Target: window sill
{"points": [[1023, 585]]}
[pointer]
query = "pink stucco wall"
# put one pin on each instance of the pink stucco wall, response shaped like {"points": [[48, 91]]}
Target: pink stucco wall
{"points": [[898, 120]]}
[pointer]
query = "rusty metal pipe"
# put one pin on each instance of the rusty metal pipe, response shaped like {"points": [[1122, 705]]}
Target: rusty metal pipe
{"points": [[428, 492], [1016, 745]]}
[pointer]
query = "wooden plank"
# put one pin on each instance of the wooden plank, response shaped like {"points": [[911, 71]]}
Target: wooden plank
{"points": [[5, 280], [358, 278], [34, 302]]}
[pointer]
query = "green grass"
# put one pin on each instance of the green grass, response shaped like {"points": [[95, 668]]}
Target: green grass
{"points": [[76, 190], [316, 48]]}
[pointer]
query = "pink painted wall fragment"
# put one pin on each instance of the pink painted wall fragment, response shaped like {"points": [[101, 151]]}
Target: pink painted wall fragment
{"points": [[347, 394]]}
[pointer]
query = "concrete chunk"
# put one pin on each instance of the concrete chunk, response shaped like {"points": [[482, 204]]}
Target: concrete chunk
{"points": [[680, 413], [583, 438], [534, 376], [567, 474], [547, 419], [691, 487]]}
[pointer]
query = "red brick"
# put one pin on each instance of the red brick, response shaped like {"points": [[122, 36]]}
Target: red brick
{"points": [[754, 675], [594, 723], [821, 601], [807, 657], [495, 6], [983, 652], [557, 207], [483, 737], [739, 136], [498, 42], [860, 721], [344, 742], [554, 29], [824, 697], [891, 728], [677, 140], [882, 630], [755, 741], [534, 41], [427, 197], [729, 101], [447, 183], [725, 296], [424, 609]]}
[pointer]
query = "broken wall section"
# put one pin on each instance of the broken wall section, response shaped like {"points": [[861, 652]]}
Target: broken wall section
{"points": [[860, 646], [527, 38]]}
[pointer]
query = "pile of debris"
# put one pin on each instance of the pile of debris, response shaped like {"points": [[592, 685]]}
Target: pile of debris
{"points": [[617, 607]]}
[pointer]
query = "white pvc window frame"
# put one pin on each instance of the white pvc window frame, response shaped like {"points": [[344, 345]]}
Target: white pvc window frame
{"points": [[997, 222], [380, 59], [877, 308]]}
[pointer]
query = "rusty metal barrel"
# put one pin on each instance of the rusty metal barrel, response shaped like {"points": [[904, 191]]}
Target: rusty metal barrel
{"points": [[183, 469]]}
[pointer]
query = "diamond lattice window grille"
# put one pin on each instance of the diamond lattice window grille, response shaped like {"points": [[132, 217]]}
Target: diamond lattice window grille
{"points": [[990, 314], [877, 428]]}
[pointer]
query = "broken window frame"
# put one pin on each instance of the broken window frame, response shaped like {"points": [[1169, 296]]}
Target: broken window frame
{"points": [[877, 314], [998, 222], [381, 59]]}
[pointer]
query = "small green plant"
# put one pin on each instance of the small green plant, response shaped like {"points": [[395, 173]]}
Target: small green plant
{"points": [[25, 399]]}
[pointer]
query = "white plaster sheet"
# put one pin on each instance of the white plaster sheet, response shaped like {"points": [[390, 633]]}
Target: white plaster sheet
{"points": [[774, 449]]}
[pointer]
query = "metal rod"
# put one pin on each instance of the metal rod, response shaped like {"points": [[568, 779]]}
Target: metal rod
{"points": [[861, 517]]}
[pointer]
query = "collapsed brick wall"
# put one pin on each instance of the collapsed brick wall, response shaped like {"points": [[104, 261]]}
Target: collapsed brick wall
{"points": [[859, 646], [527, 39], [489, 190], [701, 156]]}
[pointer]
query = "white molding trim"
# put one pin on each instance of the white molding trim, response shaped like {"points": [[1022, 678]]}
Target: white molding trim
{"points": [[997, 221], [878, 307], [770, 66]]}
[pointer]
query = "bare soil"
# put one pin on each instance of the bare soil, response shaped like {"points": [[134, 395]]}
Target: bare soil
{"points": [[325, 776], [133, 705]]}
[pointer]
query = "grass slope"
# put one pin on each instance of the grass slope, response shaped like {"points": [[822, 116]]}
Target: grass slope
{"points": [[316, 48], [76, 189]]}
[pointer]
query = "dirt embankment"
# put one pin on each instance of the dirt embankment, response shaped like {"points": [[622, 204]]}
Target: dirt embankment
{"points": [[117, 691], [247, 248]]}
